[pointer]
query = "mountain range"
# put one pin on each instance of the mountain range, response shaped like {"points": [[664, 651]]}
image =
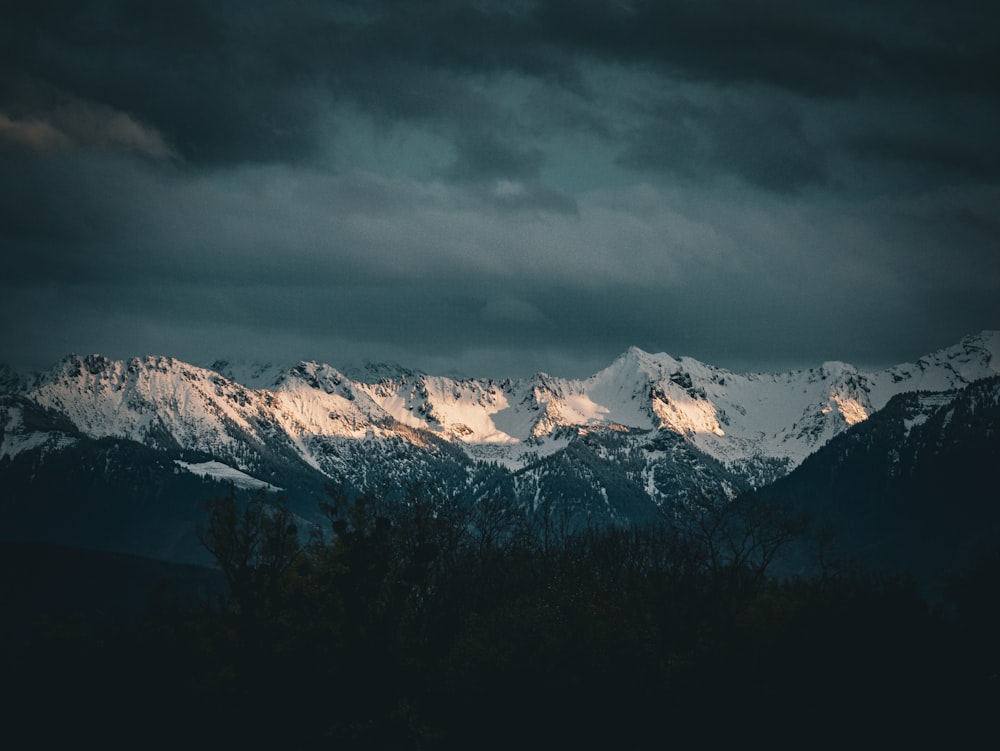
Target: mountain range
{"points": [[119, 454]]}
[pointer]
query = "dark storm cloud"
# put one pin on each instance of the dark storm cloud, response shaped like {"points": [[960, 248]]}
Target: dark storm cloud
{"points": [[228, 82], [821, 48], [515, 186], [959, 158], [480, 154], [759, 136], [183, 66]]}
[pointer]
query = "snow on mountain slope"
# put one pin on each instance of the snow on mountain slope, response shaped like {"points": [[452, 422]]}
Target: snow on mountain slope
{"points": [[459, 409], [740, 419], [23, 428], [157, 401], [314, 399], [758, 425], [225, 473], [975, 357], [166, 403]]}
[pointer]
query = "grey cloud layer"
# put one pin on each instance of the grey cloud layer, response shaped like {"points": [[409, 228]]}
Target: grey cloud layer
{"points": [[538, 183], [236, 82]]}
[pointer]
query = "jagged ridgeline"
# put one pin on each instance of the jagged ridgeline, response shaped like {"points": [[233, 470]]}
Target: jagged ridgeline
{"points": [[121, 454]]}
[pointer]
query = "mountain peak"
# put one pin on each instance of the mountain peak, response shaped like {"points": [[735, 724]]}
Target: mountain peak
{"points": [[836, 368], [315, 375], [635, 358], [987, 340]]}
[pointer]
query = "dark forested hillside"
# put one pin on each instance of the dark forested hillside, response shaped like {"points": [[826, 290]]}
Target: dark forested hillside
{"points": [[914, 487], [106, 494], [427, 624]]}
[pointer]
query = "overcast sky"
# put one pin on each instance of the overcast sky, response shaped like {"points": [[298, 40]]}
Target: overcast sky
{"points": [[497, 188]]}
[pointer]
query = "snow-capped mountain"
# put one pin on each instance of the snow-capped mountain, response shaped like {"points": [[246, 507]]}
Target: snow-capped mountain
{"points": [[753, 424], [645, 431]]}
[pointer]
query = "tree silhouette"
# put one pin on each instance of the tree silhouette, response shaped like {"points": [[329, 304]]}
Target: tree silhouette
{"points": [[254, 543]]}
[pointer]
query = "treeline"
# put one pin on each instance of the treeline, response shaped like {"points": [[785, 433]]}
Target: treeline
{"points": [[434, 624]]}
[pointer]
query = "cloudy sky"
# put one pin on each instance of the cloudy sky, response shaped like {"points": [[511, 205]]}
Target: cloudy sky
{"points": [[496, 188]]}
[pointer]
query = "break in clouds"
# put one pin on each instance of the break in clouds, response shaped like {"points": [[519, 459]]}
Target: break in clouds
{"points": [[495, 188]]}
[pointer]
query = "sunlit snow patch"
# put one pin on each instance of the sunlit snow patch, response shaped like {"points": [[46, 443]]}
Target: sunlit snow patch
{"points": [[851, 410]]}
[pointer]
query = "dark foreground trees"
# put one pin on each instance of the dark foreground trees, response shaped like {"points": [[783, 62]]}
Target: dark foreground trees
{"points": [[430, 624], [254, 543]]}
